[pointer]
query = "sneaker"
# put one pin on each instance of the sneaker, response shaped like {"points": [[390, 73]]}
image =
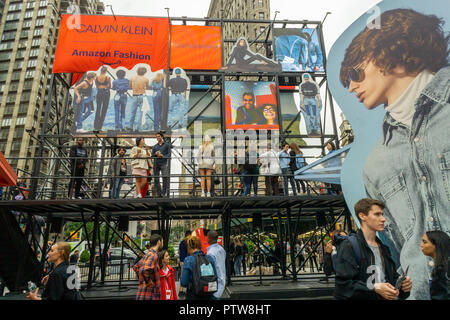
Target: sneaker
{"points": [[203, 194], [138, 195], [208, 194]]}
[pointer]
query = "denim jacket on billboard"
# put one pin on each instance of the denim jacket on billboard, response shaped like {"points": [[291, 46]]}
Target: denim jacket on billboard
{"points": [[409, 170]]}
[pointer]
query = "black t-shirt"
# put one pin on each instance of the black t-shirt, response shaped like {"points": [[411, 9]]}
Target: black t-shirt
{"points": [[178, 85], [308, 89]]}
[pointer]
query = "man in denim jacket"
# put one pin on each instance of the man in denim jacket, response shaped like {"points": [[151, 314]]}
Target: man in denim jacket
{"points": [[409, 168]]}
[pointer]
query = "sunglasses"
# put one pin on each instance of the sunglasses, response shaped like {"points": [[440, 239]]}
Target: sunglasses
{"points": [[248, 100], [355, 74]]}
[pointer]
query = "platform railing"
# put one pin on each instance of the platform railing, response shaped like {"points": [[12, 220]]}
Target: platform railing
{"points": [[224, 182]]}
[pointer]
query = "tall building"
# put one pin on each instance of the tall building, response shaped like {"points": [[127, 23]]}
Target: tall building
{"points": [[245, 10], [28, 33]]}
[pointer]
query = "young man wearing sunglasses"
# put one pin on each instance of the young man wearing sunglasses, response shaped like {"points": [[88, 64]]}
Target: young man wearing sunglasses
{"points": [[247, 113], [402, 66]]}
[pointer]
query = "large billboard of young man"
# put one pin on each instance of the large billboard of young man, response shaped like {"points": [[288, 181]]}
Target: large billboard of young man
{"points": [[396, 57], [251, 105], [298, 50], [120, 100]]}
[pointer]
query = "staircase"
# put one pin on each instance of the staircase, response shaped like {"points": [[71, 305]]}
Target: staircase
{"points": [[18, 263]]}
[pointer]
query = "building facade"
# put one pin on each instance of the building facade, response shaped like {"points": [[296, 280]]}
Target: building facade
{"points": [[245, 10], [28, 33]]}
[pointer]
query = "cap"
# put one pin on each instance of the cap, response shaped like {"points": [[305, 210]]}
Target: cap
{"points": [[177, 71], [305, 76]]}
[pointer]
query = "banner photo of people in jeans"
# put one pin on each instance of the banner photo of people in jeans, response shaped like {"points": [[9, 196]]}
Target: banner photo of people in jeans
{"points": [[179, 86], [242, 59], [389, 73], [120, 100], [251, 105], [310, 105], [298, 50]]}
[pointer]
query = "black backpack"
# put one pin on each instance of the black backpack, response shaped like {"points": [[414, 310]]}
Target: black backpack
{"points": [[204, 277]]}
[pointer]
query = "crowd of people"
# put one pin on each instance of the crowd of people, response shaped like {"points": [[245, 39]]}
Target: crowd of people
{"points": [[152, 162], [363, 265]]}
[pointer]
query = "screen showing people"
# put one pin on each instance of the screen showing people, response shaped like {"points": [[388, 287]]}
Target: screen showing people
{"points": [[129, 101], [298, 50], [251, 105], [242, 59], [310, 104]]}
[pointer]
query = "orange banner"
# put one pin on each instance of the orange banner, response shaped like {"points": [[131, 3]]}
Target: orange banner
{"points": [[107, 40], [195, 47]]}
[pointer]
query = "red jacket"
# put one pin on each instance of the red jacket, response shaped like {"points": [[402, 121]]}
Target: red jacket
{"points": [[168, 282]]}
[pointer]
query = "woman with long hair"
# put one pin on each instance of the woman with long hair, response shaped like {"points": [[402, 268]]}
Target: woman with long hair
{"points": [[167, 277], [297, 162], [436, 244], [205, 158], [57, 281], [140, 164], [103, 84]]}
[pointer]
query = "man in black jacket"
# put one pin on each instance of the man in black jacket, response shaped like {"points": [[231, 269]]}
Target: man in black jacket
{"points": [[78, 160], [366, 270]]}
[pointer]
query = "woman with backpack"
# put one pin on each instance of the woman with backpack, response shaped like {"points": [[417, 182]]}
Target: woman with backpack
{"points": [[199, 272], [57, 282], [297, 162], [167, 277], [436, 244]]}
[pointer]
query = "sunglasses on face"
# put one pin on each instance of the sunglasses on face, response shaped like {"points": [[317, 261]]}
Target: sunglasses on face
{"points": [[248, 100], [355, 74]]}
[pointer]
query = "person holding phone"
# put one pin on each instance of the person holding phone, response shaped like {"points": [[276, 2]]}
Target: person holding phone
{"points": [[365, 269]]}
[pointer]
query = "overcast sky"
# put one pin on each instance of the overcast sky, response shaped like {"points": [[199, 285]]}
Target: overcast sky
{"points": [[343, 12]]}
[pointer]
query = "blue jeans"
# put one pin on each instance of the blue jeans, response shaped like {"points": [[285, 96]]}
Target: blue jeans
{"points": [[249, 179], [237, 265], [116, 185], [157, 105], [136, 112], [178, 109], [287, 175], [294, 47], [312, 111], [120, 102], [315, 56], [86, 108]]}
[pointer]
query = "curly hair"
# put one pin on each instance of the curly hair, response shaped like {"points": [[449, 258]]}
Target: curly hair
{"points": [[405, 38]]}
